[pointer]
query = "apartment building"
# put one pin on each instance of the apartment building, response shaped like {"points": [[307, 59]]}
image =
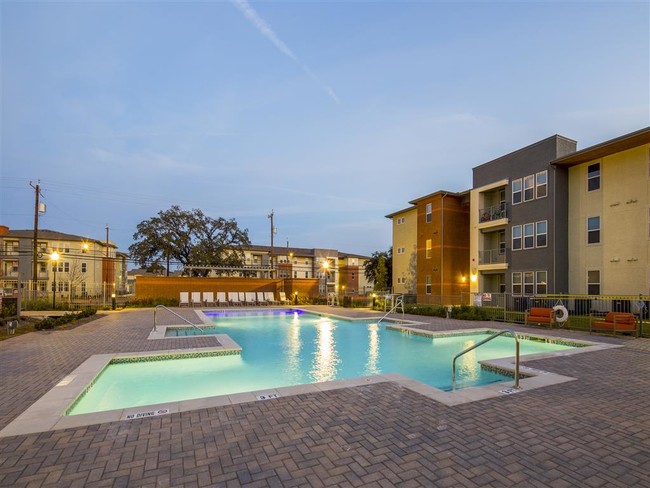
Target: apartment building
{"points": [[405, 247], [518, 223], [85, 267], [609, 216]]}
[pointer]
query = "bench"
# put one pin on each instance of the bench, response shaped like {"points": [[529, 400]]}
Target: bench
{"points": [[540, 315], [615, 322]]}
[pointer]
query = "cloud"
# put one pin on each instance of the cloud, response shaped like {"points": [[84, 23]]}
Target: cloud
{"points": [[260, 24]]}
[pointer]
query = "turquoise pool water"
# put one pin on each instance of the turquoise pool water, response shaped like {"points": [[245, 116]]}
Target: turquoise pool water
{"points": [[283, 349]]}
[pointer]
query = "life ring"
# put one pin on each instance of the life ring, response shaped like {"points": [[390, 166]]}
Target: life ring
{"points": [[563, 314]]}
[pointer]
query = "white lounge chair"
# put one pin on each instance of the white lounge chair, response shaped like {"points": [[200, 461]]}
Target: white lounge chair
{"points": [[208, 298], [270, 298], [250, 298], [233, 298], [196, 298], [283, 299], [221, 299], [261, 299], [184, 299], [242, 298]]}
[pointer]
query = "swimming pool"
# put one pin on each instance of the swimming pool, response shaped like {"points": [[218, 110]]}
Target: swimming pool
{"points": [[292, 348]]}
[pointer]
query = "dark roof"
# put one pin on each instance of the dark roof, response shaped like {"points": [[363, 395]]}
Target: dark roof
{"points": [[52, 235], [613, 146], [304, 252], [526, 148], [439, 192], [393, 214]]}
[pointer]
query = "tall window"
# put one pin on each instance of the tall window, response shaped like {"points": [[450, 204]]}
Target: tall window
{"points": [[516, 191], [516, 283], [502, 242], [428, 285], [540, 283], [593, 177], [593, 230], [541, 186], [429, 212], [516, 237], [83, 267], [428, 249], [529, 236], [593, 282], [529, 282], [529, 188], [540, 233]]}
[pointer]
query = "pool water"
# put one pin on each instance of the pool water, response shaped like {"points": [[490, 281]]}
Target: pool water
{"points": [[292, 348]]}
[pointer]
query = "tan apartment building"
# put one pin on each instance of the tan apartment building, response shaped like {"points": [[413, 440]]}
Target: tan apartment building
{"points": [[609, 216], [405, 247]]}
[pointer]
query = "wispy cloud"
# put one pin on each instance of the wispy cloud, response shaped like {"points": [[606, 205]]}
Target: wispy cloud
{"points": [[260, 24]]}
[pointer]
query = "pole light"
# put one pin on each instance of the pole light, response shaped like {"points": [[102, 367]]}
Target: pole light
{"points": [[55, 260]]}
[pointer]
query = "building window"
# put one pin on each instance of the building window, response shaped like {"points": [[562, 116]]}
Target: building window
{"points": [[295, 274], [593, 177], [306, 274], [401, 220], [593, 282], [529, 188], [529, 236], [540, 283], [540, 233], [83, 288], [428, 285], [593, 230], [66, 267], [502, 242], [516, 191], [516, 237], [516, 283], [428, 249], [541, 185], [84, 267], [401, 250], [529, 282], [429, 212], [42, 267]]}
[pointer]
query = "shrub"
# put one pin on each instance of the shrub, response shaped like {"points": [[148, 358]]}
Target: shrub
{"points": [[151, 302], [466, 312], [428, 310], [46, 324]]}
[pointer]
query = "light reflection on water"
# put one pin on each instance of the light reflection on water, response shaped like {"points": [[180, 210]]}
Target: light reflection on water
{"points": [[293, 346], [373, 350], [326, 359]]}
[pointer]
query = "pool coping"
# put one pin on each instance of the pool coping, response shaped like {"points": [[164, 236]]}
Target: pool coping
{"points": [[48, 412]]}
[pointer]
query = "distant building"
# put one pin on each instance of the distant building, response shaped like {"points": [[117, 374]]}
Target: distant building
{"points": [[405, 249]]}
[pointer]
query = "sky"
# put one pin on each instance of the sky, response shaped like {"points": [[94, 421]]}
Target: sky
{"points": [[331, 114]]}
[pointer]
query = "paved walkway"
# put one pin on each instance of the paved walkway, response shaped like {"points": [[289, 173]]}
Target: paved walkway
{"points": [[591, 432]]}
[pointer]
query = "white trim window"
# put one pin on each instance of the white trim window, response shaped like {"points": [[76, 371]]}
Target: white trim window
{"points": [[516, 191], [427, 285], [541, 232], [529, 188], [529, 282], [593, 230], [516, 283], [529, 236], [427, 251], [541, 184], [516, 237], [429, 212], [541, 284], [593, 282], [593, 177]]}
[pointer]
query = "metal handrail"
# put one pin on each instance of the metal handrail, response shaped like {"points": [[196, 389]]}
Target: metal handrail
{"points": [[399, 302], [497, 334], [174, 313]]}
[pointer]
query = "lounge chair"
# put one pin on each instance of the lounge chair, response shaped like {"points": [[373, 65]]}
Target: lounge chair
{"points": [[184, 299], [242, 298], [269, 298], [261, 299], [250, 298], [196, 298], [233, 298], [283, 299], [221, 299], [208, 298]]}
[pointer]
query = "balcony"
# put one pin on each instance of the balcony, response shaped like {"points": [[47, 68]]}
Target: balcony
{"points": [[494, 215], [491, 259]]}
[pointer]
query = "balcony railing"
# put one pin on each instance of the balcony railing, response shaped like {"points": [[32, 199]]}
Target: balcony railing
{"points": [[492, 256], [495, 212]]}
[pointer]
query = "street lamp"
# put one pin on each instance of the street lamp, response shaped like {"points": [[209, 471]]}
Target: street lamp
{"points": [[325, 265], [55, 259]]}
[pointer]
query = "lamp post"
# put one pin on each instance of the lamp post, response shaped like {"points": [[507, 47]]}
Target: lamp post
{"points": [[325, 265], [55, 259]]}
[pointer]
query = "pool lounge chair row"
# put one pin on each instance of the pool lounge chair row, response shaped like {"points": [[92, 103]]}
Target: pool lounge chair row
{"points": [[235, 298]]}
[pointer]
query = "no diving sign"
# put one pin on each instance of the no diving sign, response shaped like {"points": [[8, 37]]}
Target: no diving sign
{"points": [[149, 413]]}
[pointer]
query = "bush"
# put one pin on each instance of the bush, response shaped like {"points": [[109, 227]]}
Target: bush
{"points": [[151, 302], [466, 312], [51, 323], [428, 310], [46, 324]]}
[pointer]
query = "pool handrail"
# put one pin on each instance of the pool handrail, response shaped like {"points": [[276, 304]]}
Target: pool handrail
{"points": [[173, 313], [496, 334], [399, 303]]}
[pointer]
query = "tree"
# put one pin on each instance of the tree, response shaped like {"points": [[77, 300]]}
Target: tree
{"points": [[381, 277], [412, 273], [190, 238]]}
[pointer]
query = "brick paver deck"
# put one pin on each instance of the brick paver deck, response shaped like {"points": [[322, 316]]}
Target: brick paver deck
{"points": [[591, 432]]}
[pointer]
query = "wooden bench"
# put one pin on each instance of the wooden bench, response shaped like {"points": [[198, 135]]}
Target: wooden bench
{"points": [[540, 315], [615, 322]]}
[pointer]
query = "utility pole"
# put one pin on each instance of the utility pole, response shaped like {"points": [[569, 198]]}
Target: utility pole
{"points": [[271, 255], [37, 194]]}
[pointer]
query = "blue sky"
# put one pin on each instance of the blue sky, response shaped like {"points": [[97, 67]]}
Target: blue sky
{"points": [[333, 114]]}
